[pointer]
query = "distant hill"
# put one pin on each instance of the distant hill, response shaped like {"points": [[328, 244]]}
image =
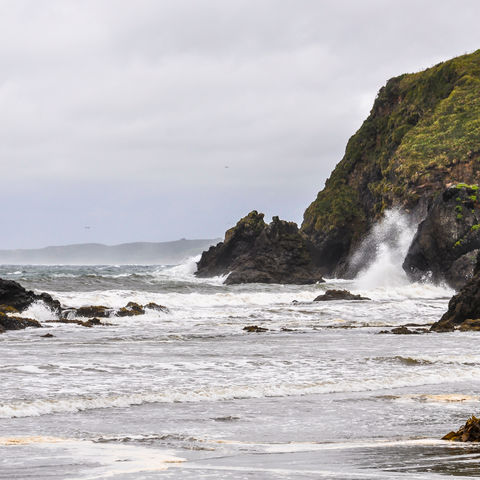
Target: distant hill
{"points": [[97, 254]]}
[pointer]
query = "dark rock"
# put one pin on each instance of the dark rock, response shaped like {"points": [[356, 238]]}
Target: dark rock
{"points": [[404, 330], [8, 322], [447, 241], [87, 323], [254, 252], [463, 308], [255, 329], [93, 311], [338, 295], [157, 307], [470, 432], [47, 335], [130, 310], [401, 331], [12, 294]]}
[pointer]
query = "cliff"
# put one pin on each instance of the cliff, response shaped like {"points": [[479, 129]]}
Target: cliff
{"points": [[421, 137], [422, 133]]}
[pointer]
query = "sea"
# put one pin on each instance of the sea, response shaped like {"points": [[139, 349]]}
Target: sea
{"points": [[190, 394]]}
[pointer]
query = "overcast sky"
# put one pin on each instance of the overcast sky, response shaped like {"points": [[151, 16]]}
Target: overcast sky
{"points": [[152, 120]]}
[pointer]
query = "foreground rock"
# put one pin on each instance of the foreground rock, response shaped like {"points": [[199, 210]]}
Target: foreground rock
{"points": [[470, 432], [12, 294], [254, 252], [448, 240], [463, 309], [338, 295], [8, 322]]}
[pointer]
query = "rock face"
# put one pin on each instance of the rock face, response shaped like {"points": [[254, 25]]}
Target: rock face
{"points": [[470, 432], [463, 309], [338, 295], [448, 240], [14, 295], [256, 252], [422, 133]]}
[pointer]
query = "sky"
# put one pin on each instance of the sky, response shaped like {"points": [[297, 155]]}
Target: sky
{"points": [[154, 120]]}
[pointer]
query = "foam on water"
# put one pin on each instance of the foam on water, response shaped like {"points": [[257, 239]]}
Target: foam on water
{"points": [[213, 393]]}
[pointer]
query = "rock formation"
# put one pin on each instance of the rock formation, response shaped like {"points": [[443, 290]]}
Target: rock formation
{"points": [[448, 240], [421, 135], [464, 308], [256, 252]]}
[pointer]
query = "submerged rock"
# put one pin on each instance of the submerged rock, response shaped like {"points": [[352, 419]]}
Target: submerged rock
{"points": [[9, 322], [338, 295], [464, 308], [254, 252], [13, 295], [84, 323], [255, 329], [448, 240], [470, 432], [404, 330]]}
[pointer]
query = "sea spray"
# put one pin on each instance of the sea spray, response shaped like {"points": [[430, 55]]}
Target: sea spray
{"points": [[383, 252]]}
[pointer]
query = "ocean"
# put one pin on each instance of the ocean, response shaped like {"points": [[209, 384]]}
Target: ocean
{"points": [[190, 394]]}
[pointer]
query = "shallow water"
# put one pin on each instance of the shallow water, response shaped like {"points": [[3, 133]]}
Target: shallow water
{"points": [[190, 394]]}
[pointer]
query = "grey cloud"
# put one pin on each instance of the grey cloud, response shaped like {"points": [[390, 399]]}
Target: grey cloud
{"points": [[117, 104]]}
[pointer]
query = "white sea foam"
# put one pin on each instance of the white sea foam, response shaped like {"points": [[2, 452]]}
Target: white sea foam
{"points": [[73, 404], [39, 311], [101, 460]]}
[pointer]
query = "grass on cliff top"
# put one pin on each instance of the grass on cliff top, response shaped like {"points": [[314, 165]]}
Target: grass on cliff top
{"points": [[420, 124]]}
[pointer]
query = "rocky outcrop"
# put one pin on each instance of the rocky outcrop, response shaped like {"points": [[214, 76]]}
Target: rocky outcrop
{"points": [[12, 294], [464, 308], [422, 133], [448, 240], [9, 322], [470, 432], [254, 252], [101, 311], [338, 295]]}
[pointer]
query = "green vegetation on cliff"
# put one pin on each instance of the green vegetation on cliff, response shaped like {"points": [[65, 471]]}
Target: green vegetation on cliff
{"points": [[422, 133]]}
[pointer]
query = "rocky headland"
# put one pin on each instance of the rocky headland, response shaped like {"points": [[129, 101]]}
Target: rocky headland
{"points": [[421, 137], [256, 252]]}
